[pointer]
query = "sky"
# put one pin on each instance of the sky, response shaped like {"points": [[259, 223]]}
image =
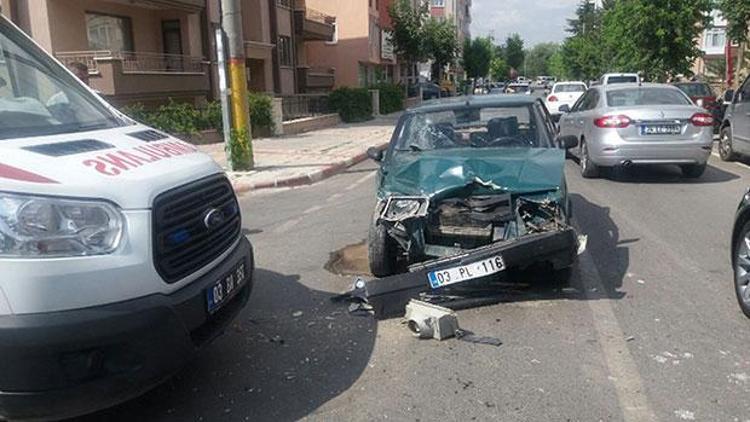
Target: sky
{"points": [[535, 20]]}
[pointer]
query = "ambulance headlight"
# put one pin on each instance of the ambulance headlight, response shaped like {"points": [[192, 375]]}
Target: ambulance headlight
{"points": [[36, 226]]}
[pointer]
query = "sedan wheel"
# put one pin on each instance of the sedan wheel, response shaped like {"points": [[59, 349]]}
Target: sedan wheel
{"points": [[742, 269], [589, 170], [726, 152]]}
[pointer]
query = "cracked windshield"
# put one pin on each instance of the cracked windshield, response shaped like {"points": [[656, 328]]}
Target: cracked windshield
{"points": [[370, 210]]}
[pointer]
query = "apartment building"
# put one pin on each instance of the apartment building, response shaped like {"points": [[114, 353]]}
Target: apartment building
{"points": [[136, 50], [716, 65], [276, 33], [359, 52], [459, 12]]}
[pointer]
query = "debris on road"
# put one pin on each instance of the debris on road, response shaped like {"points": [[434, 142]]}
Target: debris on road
{"points": [[426, 320], [297, 314], [685, 415]]}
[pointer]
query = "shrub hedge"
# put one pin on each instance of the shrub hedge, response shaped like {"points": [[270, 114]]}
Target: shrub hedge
{"points": [[391, 97], [352, 104]]}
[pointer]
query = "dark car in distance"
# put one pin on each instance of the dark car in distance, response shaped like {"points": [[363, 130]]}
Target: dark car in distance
{"points": [[703, 96]]}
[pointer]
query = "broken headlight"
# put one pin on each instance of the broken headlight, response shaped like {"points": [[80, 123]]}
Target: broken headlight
{"points": [[35, 226], [402, 207]]}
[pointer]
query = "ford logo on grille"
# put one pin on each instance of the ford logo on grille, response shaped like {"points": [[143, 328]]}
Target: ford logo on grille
{"points": [[213, 218]]}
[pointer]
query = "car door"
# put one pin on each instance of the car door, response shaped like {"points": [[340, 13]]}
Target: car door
{"points": [[589, 112], [740, 120], [568, 120]]}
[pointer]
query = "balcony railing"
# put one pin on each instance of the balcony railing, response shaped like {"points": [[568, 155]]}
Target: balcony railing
{"points": [[315, 79], [312, 24], [136, 62]]}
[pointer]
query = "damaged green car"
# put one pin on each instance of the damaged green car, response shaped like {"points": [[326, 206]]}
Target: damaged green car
{"points": [[471, 187]]}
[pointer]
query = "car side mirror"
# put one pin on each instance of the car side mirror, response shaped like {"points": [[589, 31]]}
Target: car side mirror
{"points": [[567, 142], [728, 96], [375, 154], [556, 118], [564, 108]]}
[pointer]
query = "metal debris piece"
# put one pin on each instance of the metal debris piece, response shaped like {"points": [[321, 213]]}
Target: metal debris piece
{"points": [[426, 320], [468, 336]]}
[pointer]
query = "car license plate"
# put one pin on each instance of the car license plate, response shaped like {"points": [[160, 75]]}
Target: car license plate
{"points": [[223, 290], [661, 129], [461, 273]]}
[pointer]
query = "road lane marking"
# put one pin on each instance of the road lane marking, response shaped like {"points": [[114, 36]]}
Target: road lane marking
{"points": [[334, 197], [360, 181], [312, 209], [287, 225], [620, 363]]}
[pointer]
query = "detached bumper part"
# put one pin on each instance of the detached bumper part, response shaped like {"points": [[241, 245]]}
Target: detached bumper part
{"points": [[69, 363], [388, 296]]}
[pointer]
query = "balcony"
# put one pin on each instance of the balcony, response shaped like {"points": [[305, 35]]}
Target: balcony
{"points": [[312, 79], [184, 5], [312, 25], [130, 76]]}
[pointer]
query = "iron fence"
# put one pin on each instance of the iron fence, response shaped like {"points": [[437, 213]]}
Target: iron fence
{"points": [[304, 105]]}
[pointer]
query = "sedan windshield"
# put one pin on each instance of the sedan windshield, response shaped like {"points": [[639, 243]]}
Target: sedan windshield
{"points": [[622, 79], [570, 88], [646, 96], [37, 97], [474, 127]]}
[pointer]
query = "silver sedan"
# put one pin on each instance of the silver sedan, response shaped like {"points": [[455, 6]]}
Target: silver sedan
{"points": [[632, 124]]}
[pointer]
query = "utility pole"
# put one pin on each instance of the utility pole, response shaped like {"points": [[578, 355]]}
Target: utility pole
{"points": [[240, 149]]}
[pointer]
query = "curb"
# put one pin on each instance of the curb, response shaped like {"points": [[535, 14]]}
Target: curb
{"points": [[308, 179]]}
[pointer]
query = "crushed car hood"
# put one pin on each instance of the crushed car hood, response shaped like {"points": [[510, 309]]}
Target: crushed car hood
{"points": [[512, 170]]}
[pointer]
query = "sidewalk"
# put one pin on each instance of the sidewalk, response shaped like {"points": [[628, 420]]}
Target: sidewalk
{"points": [[294, 160]]}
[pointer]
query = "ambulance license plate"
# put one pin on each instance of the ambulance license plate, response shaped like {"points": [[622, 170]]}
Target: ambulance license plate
{"points": [[226, 288]]}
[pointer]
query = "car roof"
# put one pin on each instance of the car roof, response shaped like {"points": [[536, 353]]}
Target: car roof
{"points": [[571, 83], [617, 87], [619, 74], [495, 100], [690, 83]]}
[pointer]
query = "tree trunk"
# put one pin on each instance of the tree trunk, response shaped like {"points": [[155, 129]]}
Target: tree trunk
{"points": [[740, 64]]}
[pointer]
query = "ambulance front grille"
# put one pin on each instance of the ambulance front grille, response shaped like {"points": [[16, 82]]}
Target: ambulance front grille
{"points": [[193, 225]]}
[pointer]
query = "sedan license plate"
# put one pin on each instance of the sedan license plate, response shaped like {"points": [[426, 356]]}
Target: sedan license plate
{"points": [[223, 290], [461, 273], [661, 129]]}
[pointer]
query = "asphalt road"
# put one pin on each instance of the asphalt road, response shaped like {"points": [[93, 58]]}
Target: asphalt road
{"points": [[648, 329]]}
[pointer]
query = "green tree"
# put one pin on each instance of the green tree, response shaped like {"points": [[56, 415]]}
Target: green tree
{"points": [[737, 14], [407, 33], [538, 57], [499, 69], [657, 37], [514, 53], [477, 56], [556, 65], [440, 44]]}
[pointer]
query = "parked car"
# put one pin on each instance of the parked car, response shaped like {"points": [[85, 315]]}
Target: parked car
{"points": [[619, 78], [734, 135], [703, 96], [725, 100], [740, 254], [564, 93], [469, 182], [518, 88], [121, 249], [430, 90], [638, 124]]}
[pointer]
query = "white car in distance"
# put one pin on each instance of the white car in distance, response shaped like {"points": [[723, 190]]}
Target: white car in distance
{"points": [[564, 93]]}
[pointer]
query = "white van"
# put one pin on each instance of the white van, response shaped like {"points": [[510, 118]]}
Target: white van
{"points": [[121, 248], [619, 78]]}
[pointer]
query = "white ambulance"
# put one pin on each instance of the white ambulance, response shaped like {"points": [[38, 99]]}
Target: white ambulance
{"points": [[121, 248]]}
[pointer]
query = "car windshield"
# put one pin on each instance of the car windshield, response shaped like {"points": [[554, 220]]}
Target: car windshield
{"points": [[519, 88], [696, 90], [37, 97], [519, 126], [645, 96], [622, 79], [570, 88]]}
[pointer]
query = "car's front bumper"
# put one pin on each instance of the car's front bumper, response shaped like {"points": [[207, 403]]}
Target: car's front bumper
{"points": [[62, 364], [388, 296]]}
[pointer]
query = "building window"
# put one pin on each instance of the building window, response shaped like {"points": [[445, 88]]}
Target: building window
{"points": [[438, 3], [715, 38], [335, 38], [107, 32], [285, 51], [284, 3]]}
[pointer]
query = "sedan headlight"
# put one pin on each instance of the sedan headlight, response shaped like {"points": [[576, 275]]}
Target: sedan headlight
{"points": [[400, 208], [35, 226]]}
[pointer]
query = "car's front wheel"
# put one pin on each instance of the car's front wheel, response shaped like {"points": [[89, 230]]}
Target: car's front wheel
{"points": [[726, 150], [381, 251], [693, 171], [742, 269], [589, 170]]}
